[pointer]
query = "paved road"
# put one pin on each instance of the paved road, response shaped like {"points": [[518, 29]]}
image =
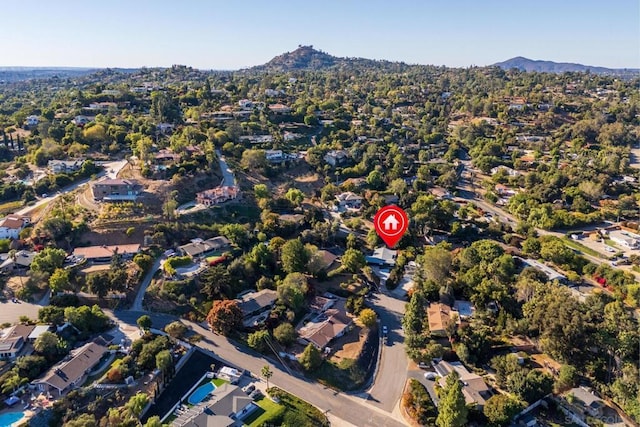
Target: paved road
{"points": [[228, 179], [392, 369], [341, 407], [10, 312], [137, 303]]}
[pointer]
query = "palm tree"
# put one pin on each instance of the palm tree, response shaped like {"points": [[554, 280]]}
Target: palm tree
{"points": [[266, 374]]}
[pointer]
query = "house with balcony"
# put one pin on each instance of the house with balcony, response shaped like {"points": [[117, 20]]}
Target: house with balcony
{"points": [[116, 189], [218, 195], [11, 226]]}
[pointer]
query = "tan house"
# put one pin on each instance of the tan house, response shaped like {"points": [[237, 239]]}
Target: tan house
{"points": [[326, 327], [13, 340], [439, 318], [217, 195], [104, 253], [475, 390], [72, 371]]}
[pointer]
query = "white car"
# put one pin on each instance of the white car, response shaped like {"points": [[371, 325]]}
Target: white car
{"points": [[385, 331], [430, 376]]}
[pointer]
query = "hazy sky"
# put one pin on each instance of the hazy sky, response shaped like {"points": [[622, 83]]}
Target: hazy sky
{"points": [[231, 34]]}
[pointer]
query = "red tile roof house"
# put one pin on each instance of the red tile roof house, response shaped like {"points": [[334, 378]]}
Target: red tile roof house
{"points": [[217, 195], [116, 189], [11, 226]]}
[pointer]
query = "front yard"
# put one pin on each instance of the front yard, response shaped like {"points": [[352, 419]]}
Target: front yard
{"points": [[290, 411]]}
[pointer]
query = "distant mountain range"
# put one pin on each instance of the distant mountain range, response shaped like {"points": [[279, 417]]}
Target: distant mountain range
{"points": [[526, 64]]}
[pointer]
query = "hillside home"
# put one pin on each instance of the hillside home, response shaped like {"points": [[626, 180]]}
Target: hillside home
{"points": [[116, 190], [32, 121], [81, 120], [65, 166], [336, 157], [21, 260], [256, 306], [11, 226], [218, 195], [348, 201], [72, 371], [475, 390], [584, 402], [382, 256], [279, 109], [198, 247], [105, 253]]}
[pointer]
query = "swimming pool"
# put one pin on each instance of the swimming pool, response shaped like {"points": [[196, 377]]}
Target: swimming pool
{"points": [[200, 393], [8, 419]]}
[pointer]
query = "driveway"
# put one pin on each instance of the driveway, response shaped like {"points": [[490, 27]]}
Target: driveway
{"points": [[228, 179], [137, 303], [342, 408]]}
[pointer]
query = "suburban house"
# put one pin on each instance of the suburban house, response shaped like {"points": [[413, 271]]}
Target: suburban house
{"points": [[279, 109], [73, 370], [116, 189], [81, 120], [336, 157], [439, 318], [104, 253], [65, 166], [164, 128], [198, 247], [348, 200], [548, 271], [475, 390], [278, 156], [323, 260], [584, 402], [227, 403], [382, 256], [13, 340], [32, 120], [11, 226], [166, 157], [21, 260], [623, 238], [326, 327], [509, 171], [256, 306], [37, 331], [217, 195]]}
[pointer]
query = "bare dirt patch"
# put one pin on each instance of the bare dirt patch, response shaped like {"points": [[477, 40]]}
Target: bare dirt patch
{"points": [[349, 346], [113, 236]]}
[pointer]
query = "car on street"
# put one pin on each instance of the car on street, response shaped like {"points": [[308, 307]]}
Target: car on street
{"points": [[385, 331]]}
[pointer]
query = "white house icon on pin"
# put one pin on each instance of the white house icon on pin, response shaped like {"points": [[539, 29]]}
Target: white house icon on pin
{"points": [[391, 223]]}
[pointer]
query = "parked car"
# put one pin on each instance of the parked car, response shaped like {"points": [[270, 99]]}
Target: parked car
{"points": [[385, 330], [249, 388], [423, 365], [430, 376], [255, 394]]}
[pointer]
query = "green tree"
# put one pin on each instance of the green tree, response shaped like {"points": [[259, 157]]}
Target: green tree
{"points": [[311, 358], [452, 410], [292, 290], [294, 196], [176, 329], [153, 422], [137, 403], [164, 362], [266, 373], [567, 378], [51, 314], [353, 260], [83, 420], [254, 160], [368, 317], [144, 322], [500, 409], [47, 345], [48, 259], [258, 340], [59, 280], [294, 256], [285, 334], [260, 191], [224, 316], [435, 265]]}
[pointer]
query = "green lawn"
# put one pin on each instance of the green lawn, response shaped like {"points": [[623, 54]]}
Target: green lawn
{"points": [[268, 411], [218, 382], [10, 207], [582, 248]]}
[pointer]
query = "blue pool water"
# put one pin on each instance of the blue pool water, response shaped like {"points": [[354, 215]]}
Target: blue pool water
{"points": [[7, 420], [200, 393]]}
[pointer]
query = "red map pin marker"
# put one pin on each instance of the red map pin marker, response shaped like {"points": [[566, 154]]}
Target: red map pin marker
{"points": [[391, 222]]}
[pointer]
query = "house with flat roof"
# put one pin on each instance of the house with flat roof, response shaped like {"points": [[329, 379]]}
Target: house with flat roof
{"points": [[625, 239], [104, 253], [218, 195], [199, 248], [72, 371], [475, 390], [548, 271], [228, 405], [439, 318], [21, 260], [336, 157], [13, 340], [116, 189]]}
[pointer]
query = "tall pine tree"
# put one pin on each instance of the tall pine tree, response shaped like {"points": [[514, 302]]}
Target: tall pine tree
{"points": [[452, 410]]}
